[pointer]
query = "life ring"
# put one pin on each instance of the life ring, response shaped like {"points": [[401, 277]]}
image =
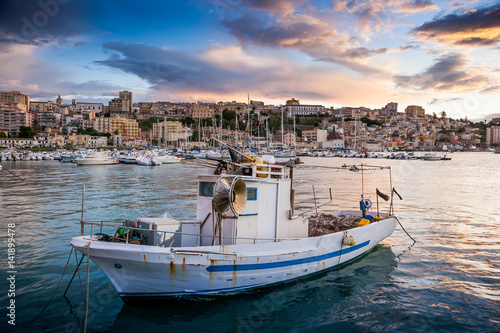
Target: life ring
{"points": [[368, 204]]}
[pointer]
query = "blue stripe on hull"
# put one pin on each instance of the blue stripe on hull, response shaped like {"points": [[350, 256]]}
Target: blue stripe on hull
{"points": [[225, 268]]}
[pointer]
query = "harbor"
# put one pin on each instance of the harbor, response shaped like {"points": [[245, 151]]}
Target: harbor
{"points": [[249, 166], [447, 276]]}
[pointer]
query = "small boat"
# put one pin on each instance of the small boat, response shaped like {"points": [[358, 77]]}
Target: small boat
{"points": [[431, 157], [168, 159], [99, 158], [67, 158], [246, 236], [148, 159], [126, 158]]}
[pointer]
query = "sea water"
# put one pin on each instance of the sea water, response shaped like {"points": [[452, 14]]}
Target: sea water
{"points": [[448, 281]]}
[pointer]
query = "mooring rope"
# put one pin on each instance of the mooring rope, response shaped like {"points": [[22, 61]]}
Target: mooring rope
{"points": [[413, 239], [50, 300], [80, 280]]}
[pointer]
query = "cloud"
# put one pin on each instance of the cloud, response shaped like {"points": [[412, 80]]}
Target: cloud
{"points": [[492, 89], [304, 33], [223, 73], [444, 100], [417, 6], [275, 6], [41, 22], [448, 74], [479, 27]]}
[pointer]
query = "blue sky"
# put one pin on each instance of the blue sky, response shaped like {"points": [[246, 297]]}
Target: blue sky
{"points": [[441, 55]]}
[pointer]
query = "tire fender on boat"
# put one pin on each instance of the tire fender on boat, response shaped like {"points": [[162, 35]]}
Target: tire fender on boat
{"points": [[368, 204]]}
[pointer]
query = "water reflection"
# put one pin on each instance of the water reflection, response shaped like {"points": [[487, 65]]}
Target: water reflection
{"points": [[306, 303]]}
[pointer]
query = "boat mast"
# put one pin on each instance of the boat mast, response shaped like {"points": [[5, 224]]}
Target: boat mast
{"points": [[236, 125], [355, 128], [343, 133], [165, 132], [282, 144]]}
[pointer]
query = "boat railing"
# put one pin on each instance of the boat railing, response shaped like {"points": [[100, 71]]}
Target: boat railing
{"points": [[99, 225], [268, 170]]}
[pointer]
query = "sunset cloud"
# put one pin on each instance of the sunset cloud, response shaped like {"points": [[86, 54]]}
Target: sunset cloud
{"points": [[304, 33], [449, 73], [479, 27], [178, 75], [417, 6]]}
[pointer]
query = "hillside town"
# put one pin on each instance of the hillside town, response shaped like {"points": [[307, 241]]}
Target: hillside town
{"points": [[25, 123]]}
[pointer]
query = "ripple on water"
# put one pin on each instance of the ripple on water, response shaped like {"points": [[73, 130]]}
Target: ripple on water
{"points": [[448, 281]]}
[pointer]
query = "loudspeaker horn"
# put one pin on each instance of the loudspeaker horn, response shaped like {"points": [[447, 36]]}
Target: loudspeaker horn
{"points": [[230, 193]]}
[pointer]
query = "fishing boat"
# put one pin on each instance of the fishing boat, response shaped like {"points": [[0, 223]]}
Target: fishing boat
{"points": [[99, 158], [246, 236]]}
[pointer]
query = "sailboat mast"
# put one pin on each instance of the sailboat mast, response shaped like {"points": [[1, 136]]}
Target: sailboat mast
{"points": [[282, 144], [165, 132]]}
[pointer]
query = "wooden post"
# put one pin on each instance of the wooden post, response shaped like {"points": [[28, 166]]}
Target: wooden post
{"points": [[314, 194]]}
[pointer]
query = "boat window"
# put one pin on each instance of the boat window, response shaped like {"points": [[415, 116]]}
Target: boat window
{"points": [[206, 189], [251, 193]]}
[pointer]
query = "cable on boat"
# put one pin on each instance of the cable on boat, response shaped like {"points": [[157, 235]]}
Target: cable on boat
{"points": [[4, 168], [414, 241], [51, 298], [76, 270]]}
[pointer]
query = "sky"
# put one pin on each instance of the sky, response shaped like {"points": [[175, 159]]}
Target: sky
{"points": [[441, 55]]}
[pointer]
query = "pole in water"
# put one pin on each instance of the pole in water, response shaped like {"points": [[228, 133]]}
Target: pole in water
{"points": [[314, 194], [83, 205]]}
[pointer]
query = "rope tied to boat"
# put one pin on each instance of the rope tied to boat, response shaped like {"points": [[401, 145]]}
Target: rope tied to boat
{"points": [[57, 287], [401, 225]]}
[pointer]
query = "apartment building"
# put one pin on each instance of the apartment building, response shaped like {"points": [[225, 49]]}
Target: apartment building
{"points": [[126, 127], [492, 135], [169, 130], [15, 99], [11, 120]]}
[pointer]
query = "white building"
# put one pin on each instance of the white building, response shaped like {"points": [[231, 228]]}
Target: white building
{"points": [[304, 110], [80, 107], [333, 141]]}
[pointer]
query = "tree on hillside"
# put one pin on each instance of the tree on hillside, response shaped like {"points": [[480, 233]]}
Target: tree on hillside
{"points": [[188, 121], [26, 132], [3, 135]]}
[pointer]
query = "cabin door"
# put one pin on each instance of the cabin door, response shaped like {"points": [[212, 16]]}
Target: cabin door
{"points": [[267, 212]]}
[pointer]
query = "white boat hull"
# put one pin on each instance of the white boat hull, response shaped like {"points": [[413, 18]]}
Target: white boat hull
{"points": [[89, 161], [168, 159], [140, 271]]}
